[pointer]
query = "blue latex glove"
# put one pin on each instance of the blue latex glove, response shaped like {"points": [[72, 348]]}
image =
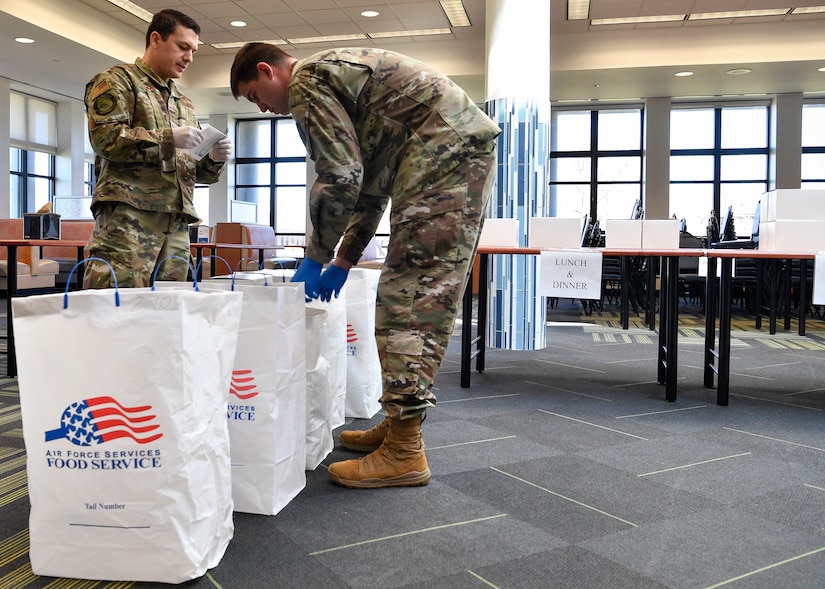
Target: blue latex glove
{"points": [[309, 272], [331, 282]]}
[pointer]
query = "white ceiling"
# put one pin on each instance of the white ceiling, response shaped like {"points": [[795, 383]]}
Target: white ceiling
{"points": [[77, 38]]}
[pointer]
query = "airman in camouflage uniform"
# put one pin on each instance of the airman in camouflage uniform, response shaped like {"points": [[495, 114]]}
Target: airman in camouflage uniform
{"points": [[383, 128], [139, 122]]}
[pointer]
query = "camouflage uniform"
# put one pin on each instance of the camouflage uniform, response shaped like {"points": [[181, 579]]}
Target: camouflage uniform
{"points": [[384, 128], [142, 201]]}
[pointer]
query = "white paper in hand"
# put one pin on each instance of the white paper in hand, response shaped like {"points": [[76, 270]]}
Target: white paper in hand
{"points": [[210, 137]]}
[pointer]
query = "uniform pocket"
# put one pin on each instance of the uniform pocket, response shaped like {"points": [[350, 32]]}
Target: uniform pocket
{"points": [[434, 240]]}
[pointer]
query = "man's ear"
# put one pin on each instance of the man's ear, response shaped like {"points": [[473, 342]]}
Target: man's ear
{"points": [[265, 69]]}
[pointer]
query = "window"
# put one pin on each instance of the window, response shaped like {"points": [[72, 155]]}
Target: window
{"points": [[270, 171], [813, 146], [718, 159], [595, 162], [32, 180], [33, 139]]}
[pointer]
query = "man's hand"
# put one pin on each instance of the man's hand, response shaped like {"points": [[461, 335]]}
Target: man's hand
{"points": [[309, 272], [186, 137], [222, 150], [331, 282]]}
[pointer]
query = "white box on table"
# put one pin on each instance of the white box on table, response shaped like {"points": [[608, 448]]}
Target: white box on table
{"points": [[791, 204], [660, 234], [623, 233], [792, 236], [499, 233], [555, 232]]}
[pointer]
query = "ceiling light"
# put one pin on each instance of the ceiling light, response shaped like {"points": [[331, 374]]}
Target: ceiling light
{"points": [[578, 9], [683, 74], [134, 9], [238, 23], [637, 19], [822, 69], [416, 33], [739, 71], [327, 39], [455, 12], [24, 40], [738, 13], [808, 10], [370, 13], [239, 44]]}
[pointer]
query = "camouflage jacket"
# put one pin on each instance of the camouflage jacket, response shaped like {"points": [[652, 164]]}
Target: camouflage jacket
{"points": [[380, 128], [131, 114]]}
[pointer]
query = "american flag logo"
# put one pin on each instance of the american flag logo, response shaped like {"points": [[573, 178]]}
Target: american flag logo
{"points": [[352, 337], [243, 384], [102, 419]]}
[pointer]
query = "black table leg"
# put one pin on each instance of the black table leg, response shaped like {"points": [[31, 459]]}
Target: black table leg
{"points": [[664, 326], [724, 333], [710, 323], [483, 289], [672, 294], [625, 298], [11, 290], [803, 294]]}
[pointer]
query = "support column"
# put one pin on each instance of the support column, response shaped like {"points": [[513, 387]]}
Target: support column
{"points": [[518, 100]]}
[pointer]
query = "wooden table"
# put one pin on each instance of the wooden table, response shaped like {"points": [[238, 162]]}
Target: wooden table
{"points": [[717, 360], [668, 307]]}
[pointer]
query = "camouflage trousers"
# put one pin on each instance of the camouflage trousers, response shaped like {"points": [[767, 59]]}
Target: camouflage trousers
{"points": [[133, 242], [421, 286]]}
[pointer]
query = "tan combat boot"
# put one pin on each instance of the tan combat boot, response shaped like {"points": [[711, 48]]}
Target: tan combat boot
{"points": [[399, 462], [366, 441]]}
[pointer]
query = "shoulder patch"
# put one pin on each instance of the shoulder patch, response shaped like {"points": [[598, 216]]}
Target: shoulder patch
{"points": [[104, 104], [98, 88]]}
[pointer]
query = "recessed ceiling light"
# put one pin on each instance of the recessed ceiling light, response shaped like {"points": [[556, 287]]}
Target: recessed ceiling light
{"points": [[326, 39], [578, 9], [683, 74], [738, 14], [632, 20], [238, 23], [370, 13], [23, 40], [454, 10], [414, 33], [133, 8], [808, 10], [822, 69], [739, 71]]}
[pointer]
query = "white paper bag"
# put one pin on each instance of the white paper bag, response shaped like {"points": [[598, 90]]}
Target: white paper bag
{"points": [[334, 350], [334, 343], [267, 402], [125, 431], [319, 442], [363, 366]]}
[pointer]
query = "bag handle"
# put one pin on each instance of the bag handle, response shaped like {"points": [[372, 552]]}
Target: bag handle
{"points": [[71, 273], [228, 267], [184, 260]]}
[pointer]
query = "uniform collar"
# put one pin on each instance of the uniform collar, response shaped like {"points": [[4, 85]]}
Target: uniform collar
{"points": [[170, 86]]}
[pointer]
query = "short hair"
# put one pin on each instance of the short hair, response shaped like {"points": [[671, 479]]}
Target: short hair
{"points": [[245, 66], [165, 22]]}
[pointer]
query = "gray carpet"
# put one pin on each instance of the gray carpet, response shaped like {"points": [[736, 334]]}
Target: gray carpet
{"points": [[558, 468]]}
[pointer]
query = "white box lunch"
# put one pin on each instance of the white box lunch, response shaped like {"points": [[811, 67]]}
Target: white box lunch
{"points": [[790, 204], [555, 232], [499, 233], [792, 236], [623, 233], [660, 234]]}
